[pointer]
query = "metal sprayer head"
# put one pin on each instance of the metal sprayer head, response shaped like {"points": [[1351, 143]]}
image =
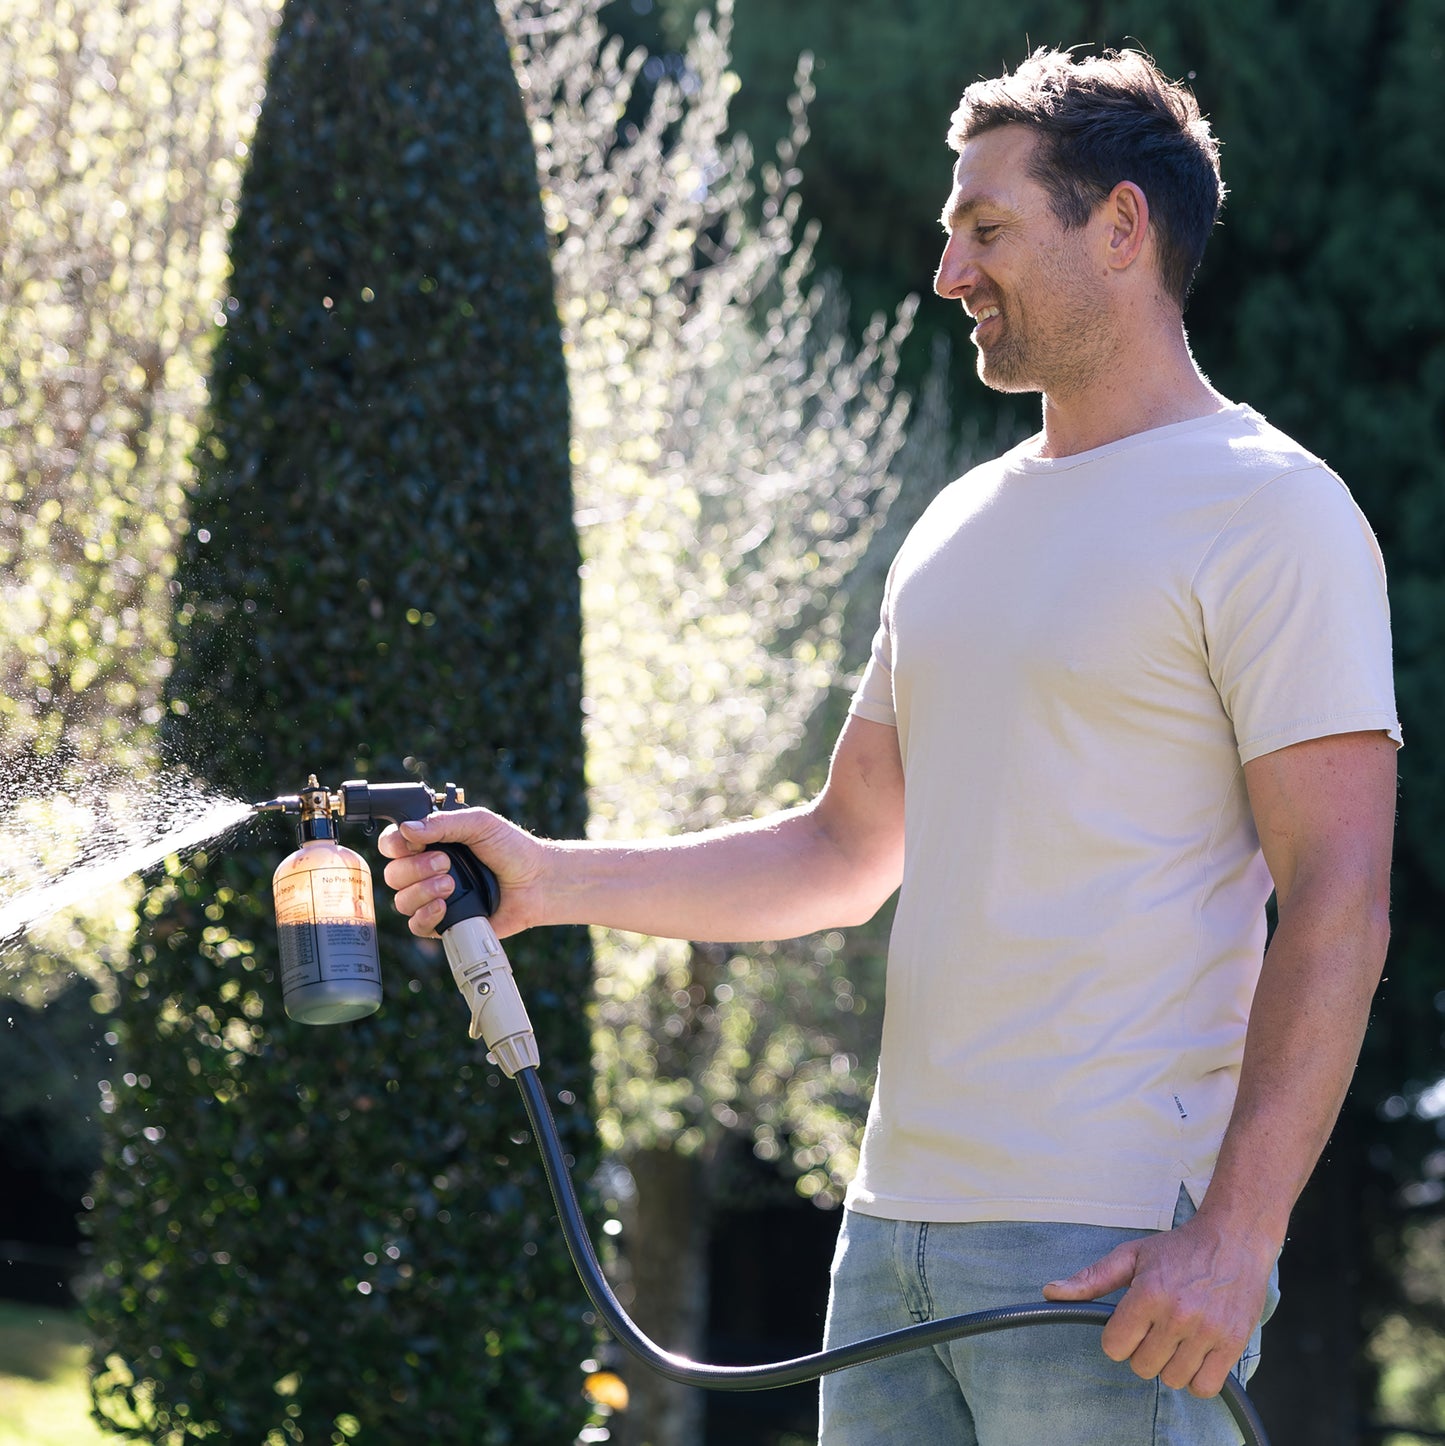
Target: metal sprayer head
{"points": [[317, 808], [361, 802], [312, 799]]}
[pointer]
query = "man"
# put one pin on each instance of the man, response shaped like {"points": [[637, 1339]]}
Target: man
{"points": [[1130, 677]]}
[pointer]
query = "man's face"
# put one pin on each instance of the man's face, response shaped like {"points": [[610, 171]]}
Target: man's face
{"points": [[1037, 298]]}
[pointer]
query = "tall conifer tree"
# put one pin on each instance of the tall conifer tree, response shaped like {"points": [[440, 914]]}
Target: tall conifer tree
{"points": [[315, 1234]]}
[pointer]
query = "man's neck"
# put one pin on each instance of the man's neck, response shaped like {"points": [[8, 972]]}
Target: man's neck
{"points": [[1143, 387]]}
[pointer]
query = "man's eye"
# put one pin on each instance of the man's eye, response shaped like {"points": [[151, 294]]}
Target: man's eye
{"points": [[986, 232]]}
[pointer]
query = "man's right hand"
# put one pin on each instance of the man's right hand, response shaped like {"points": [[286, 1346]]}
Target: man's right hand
{"points": [[418, 872]]}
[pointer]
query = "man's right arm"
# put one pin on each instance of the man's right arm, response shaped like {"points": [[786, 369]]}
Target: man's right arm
{"points": [[827, 864]]}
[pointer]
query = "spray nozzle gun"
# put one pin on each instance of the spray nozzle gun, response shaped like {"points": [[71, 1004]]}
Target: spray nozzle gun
{"points": [[479, 966], [313, 802]]}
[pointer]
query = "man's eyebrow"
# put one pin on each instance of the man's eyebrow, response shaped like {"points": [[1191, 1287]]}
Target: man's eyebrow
{"points": [[956, 212]]}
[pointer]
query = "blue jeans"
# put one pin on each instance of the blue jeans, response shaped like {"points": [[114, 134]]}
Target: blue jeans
{"points": [[1046, 1385]]}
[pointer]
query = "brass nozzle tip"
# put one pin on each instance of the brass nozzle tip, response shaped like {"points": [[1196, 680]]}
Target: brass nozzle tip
{"points": [[287, 803]]}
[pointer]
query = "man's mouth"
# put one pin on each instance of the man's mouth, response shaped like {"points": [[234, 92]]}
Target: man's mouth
{"points": [[982, 317]]}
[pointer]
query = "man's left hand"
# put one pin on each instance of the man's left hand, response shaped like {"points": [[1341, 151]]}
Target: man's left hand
{"points": [[1193, 1299]]}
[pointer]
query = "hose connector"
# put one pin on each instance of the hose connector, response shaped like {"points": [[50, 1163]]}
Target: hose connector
{"points": [[483, 973]]}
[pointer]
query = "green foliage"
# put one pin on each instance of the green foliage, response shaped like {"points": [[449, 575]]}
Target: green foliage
{"points": [[120, 131], [48, 1102], [1409, 1344], [333, 1234], [1323, 304], [732, 458], [888, 75]]}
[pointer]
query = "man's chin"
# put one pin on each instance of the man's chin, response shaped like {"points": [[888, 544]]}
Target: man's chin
{"points": [[998, 376]]}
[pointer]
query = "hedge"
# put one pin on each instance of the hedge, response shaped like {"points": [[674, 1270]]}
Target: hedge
{"points": [[328, 1234]]}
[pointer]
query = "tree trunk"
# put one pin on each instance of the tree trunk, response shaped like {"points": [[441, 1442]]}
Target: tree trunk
{"points": [[667, 1255]]}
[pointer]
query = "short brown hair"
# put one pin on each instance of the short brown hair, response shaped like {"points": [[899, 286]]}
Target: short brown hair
{"points": [[1104, 119]]}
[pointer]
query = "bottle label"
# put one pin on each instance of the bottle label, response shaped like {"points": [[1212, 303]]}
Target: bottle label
{"points": [[327, 927]]}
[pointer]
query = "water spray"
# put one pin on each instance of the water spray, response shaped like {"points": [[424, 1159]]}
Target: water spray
{"points": [[331, 974]]}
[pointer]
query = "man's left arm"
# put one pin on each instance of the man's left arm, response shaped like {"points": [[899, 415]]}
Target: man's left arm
{"points": [[1325, 813]]}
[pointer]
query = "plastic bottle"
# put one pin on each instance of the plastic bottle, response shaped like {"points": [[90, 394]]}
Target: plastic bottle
{"points": [[330, 971]]}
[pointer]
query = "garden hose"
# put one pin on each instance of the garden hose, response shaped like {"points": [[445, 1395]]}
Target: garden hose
{"points": [[802, 1368]]}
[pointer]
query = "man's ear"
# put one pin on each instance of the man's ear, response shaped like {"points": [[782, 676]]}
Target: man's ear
{"points": [[1125, 216]]}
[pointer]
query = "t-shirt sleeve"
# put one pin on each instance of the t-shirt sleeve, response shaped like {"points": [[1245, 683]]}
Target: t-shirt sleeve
{"points": [[873, 698], [1295, 617]]}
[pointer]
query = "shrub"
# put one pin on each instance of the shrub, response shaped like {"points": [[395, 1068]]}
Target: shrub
{"points": [[320, 1234]]}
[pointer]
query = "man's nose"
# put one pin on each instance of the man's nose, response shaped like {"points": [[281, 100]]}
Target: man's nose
{"points": [[956, 273]]}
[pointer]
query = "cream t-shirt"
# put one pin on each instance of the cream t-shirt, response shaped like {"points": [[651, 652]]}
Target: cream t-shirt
{"points": [[1080, 654]]}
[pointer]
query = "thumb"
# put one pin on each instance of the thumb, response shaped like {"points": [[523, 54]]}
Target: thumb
{"points": [[416, 835], [1113, 1272], [477, 828], [444, 825]]}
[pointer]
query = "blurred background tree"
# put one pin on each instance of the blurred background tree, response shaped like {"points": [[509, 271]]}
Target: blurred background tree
{"points": [[122, 137], [309, 1234], [733, 456], [123, 134]]}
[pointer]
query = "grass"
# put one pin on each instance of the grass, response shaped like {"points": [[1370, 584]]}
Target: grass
{"points": [[44, 1396]]}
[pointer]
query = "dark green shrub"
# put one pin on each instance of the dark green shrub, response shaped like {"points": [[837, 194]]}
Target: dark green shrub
{"points": [[324, 1234]]}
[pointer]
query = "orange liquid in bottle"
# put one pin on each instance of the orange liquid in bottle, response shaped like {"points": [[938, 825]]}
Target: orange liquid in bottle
{"points": [[330, 971]]}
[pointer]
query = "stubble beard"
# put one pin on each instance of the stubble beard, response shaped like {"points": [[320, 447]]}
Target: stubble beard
{"points": [[1059, 354], [1007, 364]]}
